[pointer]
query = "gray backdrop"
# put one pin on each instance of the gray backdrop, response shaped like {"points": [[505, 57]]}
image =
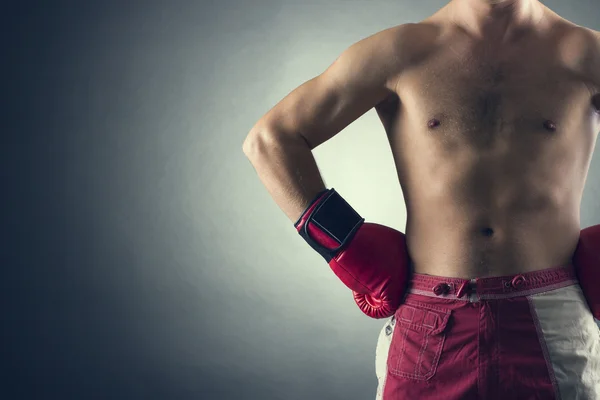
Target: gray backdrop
{"points": [[141, 257]]}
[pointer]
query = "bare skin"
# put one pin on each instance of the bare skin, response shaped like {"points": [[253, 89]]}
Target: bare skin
{"points": [[491, 109]]}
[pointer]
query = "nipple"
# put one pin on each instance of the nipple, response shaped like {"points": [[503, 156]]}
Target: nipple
{"points": [[433, 123], [549, 125]]}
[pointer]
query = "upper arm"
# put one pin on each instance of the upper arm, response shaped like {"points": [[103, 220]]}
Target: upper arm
{"points": [[360, 78], [592, 64], [592, 68]]}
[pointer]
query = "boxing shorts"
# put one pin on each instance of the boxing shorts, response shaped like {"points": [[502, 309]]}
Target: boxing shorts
{"points": [[527, 336]]}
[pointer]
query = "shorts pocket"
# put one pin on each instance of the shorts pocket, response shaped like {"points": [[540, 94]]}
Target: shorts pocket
{"points": [[417, 340]]}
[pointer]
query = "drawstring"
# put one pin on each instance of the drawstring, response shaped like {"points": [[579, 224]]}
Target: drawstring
{"points": [[518, 281], [443, 288], [462, 290]]}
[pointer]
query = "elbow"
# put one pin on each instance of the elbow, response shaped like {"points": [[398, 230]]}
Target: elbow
{"points": [[259, 141], [250, 145]]}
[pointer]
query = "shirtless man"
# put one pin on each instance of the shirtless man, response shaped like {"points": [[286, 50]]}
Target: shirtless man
{"points": [[492, 109]]}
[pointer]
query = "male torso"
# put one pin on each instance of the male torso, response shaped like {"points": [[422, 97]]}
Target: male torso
{"points": [[492, 143]]}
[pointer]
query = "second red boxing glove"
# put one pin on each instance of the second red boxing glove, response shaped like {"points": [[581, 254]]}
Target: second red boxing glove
{"points": [[587, 265]]}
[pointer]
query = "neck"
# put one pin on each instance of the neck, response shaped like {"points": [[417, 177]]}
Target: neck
{"points": [[495, 18]]}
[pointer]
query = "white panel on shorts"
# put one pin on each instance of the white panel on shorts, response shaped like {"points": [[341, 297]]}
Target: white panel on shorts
{"points": [[381, 355], [572, 339]]}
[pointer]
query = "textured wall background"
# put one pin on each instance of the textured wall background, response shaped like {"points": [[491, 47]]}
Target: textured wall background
{"points": [[141, 257]]}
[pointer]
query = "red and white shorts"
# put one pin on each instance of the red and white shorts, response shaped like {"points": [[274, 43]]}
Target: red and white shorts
{"points": [[528, 336]]}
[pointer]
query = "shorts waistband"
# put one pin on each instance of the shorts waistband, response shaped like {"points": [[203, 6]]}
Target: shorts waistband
{"points": [[500, 287]]}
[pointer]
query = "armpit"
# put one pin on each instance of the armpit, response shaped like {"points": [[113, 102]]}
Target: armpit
{"points": [[596, 103]]}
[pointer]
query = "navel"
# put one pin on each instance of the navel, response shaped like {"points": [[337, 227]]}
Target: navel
{"points": [[550, 125], [487, 232]]}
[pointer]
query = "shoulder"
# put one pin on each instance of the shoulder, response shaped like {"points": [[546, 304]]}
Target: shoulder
{"points": [[394, 49], [410, 33], [380, 58], [407, 41], [589, 40], [579, 49], [583, 39]]}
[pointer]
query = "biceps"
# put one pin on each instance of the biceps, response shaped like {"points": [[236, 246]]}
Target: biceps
{"points": [[322, 107]]}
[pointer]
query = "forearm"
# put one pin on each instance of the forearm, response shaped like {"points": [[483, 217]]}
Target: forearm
{"points": [[287, 168]]}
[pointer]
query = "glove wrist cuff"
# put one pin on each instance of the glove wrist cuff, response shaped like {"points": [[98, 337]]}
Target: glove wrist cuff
{"points": [[328, 223]]}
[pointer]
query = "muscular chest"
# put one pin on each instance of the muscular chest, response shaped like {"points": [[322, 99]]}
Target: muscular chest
{"points": [[481, 96]]}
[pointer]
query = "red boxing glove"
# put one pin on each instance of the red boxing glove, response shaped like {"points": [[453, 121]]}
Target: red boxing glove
{"points": [[587, 265], [370, 259]]}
